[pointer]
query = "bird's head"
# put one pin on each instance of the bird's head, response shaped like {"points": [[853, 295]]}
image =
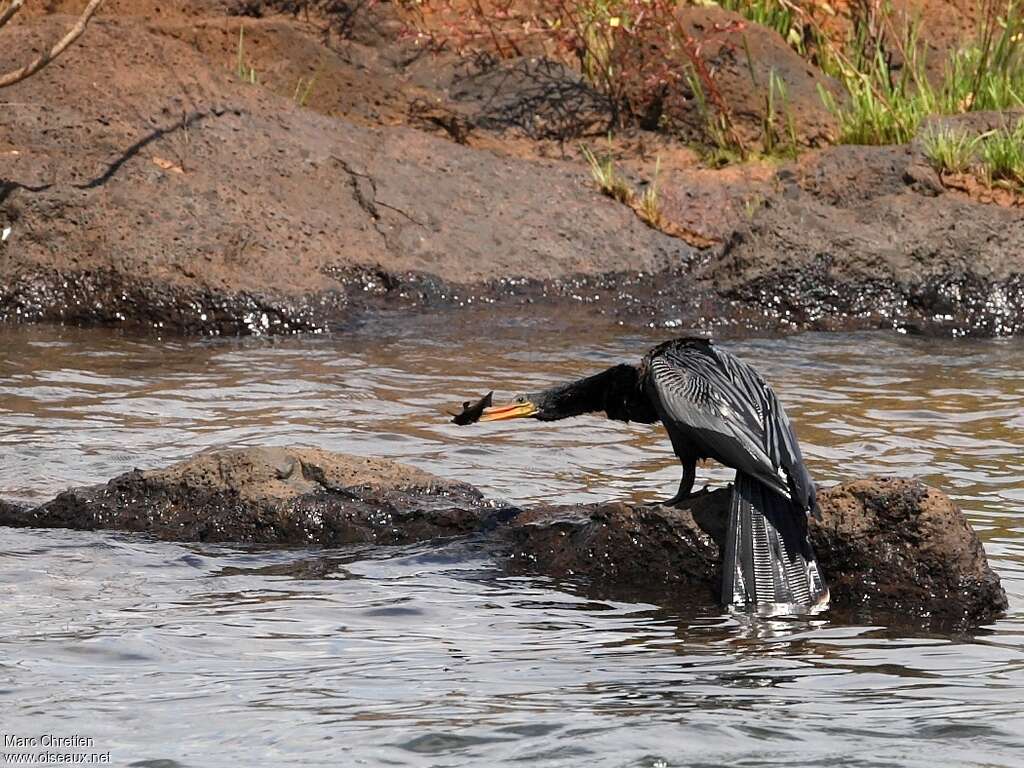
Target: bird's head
{"points": [[612, 391]]}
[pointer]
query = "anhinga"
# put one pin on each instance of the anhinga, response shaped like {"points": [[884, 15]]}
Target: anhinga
{"points": [[714, 406]]}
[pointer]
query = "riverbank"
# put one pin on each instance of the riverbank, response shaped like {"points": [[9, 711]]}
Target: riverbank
{"points": [[356, 170]]}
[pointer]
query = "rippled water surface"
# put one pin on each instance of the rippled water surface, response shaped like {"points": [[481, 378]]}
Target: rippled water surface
{"points": [[195, 655]]}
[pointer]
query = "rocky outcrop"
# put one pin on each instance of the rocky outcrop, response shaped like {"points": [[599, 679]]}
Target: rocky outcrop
{"points": [[10, 511], [884, 544], [209, 204], [900, 544], [293, 497], [887, 545], [232, 209], [868, 237]]}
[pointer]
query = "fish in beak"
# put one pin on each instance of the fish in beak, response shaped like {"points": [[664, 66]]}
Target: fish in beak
{"points": [[471, 411]]}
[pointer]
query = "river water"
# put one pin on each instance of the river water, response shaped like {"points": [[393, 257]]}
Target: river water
{"points": [[167, 655]]}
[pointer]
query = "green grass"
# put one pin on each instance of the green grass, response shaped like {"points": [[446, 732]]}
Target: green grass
{"points": [[950, 150], [882, 107], [753, 204], [886, 105], [778, 130], [772, 14], [1002, 157], [723, 142], [608, 179], [989, 73], [997, 157], [646, 205], [778, 126]]}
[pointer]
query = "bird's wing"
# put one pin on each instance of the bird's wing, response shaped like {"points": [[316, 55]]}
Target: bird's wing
{"points": [[780, 441], [729, 409]]}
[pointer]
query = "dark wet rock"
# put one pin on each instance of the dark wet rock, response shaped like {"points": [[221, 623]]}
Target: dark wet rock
{"points": [[859, 239], [621, 548], [110, 297], [898, 544], [887, 545], [9, 510], [306, 568], [284, 497], [884, 544]]}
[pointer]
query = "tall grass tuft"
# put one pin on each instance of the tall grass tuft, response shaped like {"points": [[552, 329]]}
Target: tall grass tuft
{"points": [[246, 73], [608, 179], [1002, 157], [989, 73], [996, 157], [884, 107], [950, 150], [716, 123], [776, 139], [303, 90], [649, 205], [886, 103], [774, 14]]}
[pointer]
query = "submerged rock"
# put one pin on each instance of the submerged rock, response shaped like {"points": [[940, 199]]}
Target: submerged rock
{"points": [[884, 544]]}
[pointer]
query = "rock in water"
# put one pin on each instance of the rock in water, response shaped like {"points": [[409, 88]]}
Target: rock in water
{"points": [[900, 544], [10, 511], [279, 496], [884, 544]]}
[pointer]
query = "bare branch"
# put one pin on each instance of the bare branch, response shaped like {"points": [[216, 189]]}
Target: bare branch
{"points": [[46, 57], [10, 10]]}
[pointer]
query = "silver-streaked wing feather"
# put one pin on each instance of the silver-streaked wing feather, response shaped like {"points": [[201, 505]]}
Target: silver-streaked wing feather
{"points": [[730, 411]]}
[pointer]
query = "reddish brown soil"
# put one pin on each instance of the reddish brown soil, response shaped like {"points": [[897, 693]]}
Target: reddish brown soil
{"points": [[145, 183]]}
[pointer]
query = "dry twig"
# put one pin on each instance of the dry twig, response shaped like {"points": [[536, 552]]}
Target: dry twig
{"points": [[17, 75]]}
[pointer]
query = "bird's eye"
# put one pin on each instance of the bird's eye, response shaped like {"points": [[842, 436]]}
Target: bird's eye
{"points": [[521, 399]]}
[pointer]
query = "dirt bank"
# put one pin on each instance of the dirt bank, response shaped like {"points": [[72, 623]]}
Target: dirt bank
{"points": [[172, 173], [887, 545]]}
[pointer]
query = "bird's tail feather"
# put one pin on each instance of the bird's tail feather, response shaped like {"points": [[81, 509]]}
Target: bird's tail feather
{"points": [[769, 564]]}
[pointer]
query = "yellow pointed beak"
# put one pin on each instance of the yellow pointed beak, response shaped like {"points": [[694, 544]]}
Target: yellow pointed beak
{"points": [[510, 411]]}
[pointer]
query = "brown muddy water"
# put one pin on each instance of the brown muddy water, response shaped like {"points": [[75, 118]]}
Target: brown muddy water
{"points": [[194, 655]]}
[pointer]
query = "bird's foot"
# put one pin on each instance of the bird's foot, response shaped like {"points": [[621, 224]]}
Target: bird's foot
{"points": [[678, 499]]}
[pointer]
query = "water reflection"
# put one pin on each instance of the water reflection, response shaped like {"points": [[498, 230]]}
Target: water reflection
{"points": [[208, 655]]}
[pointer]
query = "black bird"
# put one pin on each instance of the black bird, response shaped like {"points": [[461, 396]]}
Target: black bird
{"points": [[714, 406]]}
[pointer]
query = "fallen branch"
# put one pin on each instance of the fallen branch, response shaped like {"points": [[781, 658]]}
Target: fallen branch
{"points": [[46, 57], [9, 12]]}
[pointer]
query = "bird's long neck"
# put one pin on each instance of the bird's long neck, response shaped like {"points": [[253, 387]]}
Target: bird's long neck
{"points": [[614, 391]]}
